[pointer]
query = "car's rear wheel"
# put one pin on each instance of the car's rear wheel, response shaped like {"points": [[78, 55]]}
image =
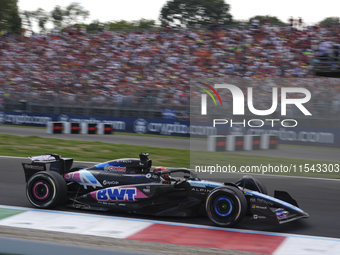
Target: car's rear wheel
{"points": [[46, 189], [226, 206]]}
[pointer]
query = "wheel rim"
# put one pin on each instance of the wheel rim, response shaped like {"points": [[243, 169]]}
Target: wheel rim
{"points": [[226, 206], [41, 190], [223, 206]]}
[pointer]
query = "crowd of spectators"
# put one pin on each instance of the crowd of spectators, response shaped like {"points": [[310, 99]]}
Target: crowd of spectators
{"points": [[154, 67]]}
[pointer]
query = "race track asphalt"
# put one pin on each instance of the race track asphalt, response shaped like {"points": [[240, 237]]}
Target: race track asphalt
{"points": [[318, 197]]}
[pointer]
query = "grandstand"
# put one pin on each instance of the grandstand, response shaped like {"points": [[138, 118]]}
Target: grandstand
{"points": [[139, 73]]}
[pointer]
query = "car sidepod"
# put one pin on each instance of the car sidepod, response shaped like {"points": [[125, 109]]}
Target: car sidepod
{"points": [[152, 199]]}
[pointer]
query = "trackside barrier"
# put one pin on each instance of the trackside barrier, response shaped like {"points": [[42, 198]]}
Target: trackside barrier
{"points": [[88, 128], [252, 142], [77, 128], [105, 128], [235, 142], [54, 127], [71, 128], [269, 142], [241, 142], [217, 143], [306, 136]]}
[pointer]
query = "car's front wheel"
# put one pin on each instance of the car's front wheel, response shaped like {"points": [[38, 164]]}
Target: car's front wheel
{"points": [[226, 206], [46, 189]]}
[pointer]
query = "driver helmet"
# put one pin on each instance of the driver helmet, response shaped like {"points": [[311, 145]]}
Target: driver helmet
{"points": [[162, 169]]}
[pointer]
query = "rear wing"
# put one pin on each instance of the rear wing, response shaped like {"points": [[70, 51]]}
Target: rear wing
{"points": [[47, 162]]}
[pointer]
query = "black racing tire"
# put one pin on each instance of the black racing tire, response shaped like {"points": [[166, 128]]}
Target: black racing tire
{"points": [[251, 183], [226, 206], [46, 189]]}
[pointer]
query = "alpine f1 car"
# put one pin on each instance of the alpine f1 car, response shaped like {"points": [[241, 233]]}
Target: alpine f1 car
{"points": [[132, 185]]}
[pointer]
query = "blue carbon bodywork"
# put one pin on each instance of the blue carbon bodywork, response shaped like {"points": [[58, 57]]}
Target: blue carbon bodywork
{"points": [[272, 199]]}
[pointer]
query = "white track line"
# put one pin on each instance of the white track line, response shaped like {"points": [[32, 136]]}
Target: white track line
{"points": [[168, 223]]}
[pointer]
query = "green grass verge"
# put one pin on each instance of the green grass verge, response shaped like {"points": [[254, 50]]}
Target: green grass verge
{"points": [[89, 151], [4, 213], [19, 126], [98, 152]]}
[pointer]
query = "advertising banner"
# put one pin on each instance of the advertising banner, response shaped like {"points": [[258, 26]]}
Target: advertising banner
{"points": [[130, 125], [309, 136]]}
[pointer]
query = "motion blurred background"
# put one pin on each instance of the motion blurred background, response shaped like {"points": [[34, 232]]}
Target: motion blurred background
{"points": [[139, 66], [53, 62]]}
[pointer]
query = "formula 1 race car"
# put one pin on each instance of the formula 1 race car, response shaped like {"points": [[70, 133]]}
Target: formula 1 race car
{"points": [[131, 185]]}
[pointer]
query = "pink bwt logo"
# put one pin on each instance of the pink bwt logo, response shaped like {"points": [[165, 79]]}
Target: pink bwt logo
{"points": [[238, 100], [118, 194]]}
